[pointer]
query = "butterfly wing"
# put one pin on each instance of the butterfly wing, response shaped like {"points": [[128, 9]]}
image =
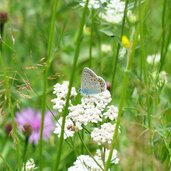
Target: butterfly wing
{"points": [[91, 83]]}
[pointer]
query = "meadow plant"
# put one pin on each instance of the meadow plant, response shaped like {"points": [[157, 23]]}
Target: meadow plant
{"points": [[29, 120], [94, 114], [86, 163], [29, 165]]}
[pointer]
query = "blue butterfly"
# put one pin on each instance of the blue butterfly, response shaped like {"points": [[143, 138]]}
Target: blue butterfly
{"points": [[91, 83]]}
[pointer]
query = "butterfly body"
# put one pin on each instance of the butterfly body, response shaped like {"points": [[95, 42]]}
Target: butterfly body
{"points": [[91, 83]]}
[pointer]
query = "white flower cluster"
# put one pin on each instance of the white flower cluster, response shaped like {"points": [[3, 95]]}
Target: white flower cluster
{"points": [[91, 110], [81, 114], [104, 134], [29, 165], [112, 112], [95, 4], [161, 78], [131, 17], [99, 101], [61, 90], [113, 12], [153, 59], [69, 130], [106, 48], [86, 163]]}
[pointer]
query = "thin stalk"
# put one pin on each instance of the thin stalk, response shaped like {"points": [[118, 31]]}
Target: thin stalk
{"points": [[142, 42], [82, 146], [124, 89], [91, 38], [143, 69], [45, 78], [118, 48], [25, 152], [65, 110], [1, 35], [162, 57]]}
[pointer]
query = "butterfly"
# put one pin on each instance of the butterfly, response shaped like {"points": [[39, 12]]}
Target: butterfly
{"points": [[91, 83]]}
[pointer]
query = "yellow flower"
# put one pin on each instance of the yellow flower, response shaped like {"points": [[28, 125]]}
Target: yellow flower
{"points": [[125, 41]]}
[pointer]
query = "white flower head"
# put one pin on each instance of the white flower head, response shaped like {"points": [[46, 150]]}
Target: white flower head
{"points": [[95, 4], [112, 112], [29, 165], [114, 12], [86, 163], [162, 78], [61, 90], [153, 59], [131, 17], [106, 48], [69, 130], [104, 134], [83, 115], [100, 100], [90, 109]]}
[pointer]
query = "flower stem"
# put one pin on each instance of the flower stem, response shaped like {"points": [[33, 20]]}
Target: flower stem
{"points": [[118, 48], [25, 151], [65, 110], [1, 35], [162, 58], [46, 67], [124, 89], [91, 38]]}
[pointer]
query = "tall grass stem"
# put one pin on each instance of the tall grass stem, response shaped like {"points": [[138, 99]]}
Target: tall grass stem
{"points": [[118, 49], [45, 76], [121, 103], [65, 110]]}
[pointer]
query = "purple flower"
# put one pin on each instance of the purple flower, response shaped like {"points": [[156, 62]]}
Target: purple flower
{"points": [[33, 118]]}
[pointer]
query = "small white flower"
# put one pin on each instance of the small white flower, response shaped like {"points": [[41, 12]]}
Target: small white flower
{"points": [[162, 78], [104, 134], [131, 17], [61, 90], [112, 112], [153, 59], [29, 166], [105, 48], [69, 130]]}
